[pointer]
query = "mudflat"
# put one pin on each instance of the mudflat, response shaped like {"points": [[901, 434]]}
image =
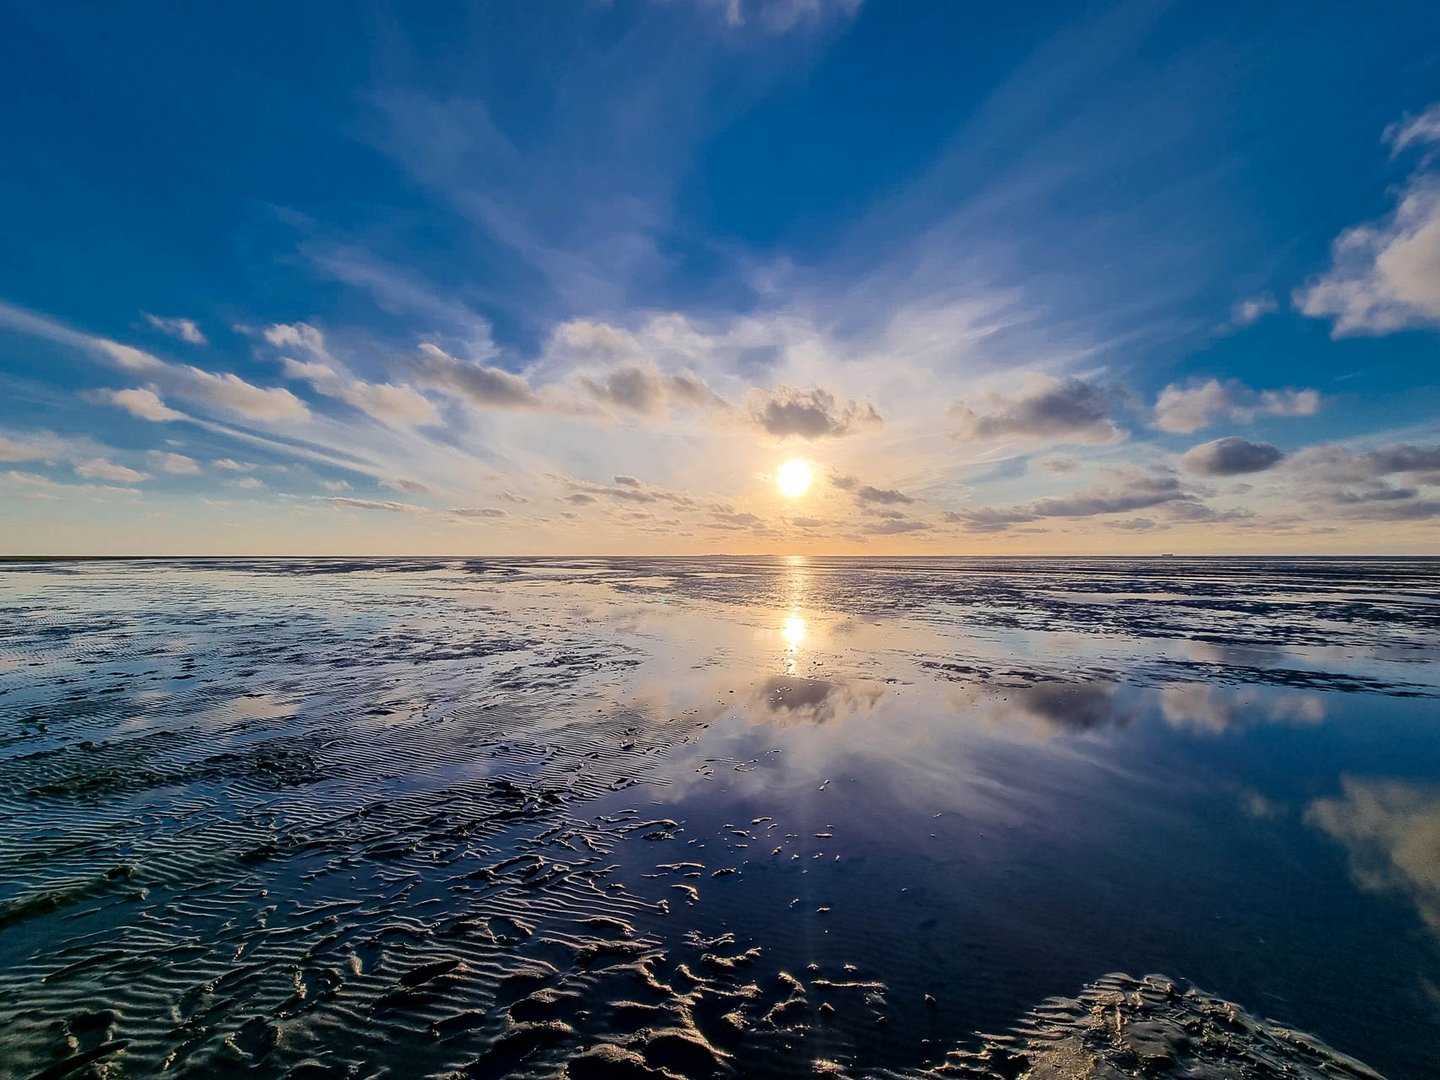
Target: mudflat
{"points": [[720, 816]]}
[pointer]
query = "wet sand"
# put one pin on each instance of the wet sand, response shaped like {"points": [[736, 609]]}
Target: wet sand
{"points": [[752, 817]]}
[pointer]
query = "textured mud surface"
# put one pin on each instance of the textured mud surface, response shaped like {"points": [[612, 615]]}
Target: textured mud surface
{"points": [[727, 817]]}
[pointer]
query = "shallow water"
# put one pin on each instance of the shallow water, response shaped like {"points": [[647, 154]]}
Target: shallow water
{"points": [[751, 817]]}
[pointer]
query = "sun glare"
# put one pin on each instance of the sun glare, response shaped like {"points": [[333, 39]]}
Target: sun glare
{"points": [[794, 478]]}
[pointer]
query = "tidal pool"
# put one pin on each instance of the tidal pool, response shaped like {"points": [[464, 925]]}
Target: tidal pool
{"points": [[722, 816]]}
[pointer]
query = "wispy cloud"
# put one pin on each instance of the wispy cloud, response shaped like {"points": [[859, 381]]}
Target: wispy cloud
{"points": [[184, 329]]}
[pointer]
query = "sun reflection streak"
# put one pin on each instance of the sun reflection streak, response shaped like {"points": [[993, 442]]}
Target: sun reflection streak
{"points": [[794, 631], [792, 626]]}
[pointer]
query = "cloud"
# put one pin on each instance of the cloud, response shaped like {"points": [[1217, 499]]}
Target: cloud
{"points": [[145, 404], [1120, 491], [38, 446], [1058, 464], [1229, 457], [297, 336], [386, 402], [231, 465], [479, 384], [893, 526], [1385, 276], [1185, 409], [414, 487], [881, 496], [1252, 309], [492, 512], [782, 16], [735, 519], [646, 371], [41, 488], [100, 469], [233, 393], [807, 414], [1415, 130], [1044, 409], [344, 503], [1357, 484], [647, 390], [1340, 464], [627, 489], [184, 329], [174, 464], [225, 390]]}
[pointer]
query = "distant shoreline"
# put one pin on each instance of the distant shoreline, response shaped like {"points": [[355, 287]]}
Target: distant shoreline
{"points": [[1167, 558]]}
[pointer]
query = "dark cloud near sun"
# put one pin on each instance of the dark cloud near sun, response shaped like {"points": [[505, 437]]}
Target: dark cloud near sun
{"points": [[869, 494], [645, 390], [882, 496], [808, 414]]}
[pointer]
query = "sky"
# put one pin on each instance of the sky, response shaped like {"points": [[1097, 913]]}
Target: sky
{"points": [[585, 278]]}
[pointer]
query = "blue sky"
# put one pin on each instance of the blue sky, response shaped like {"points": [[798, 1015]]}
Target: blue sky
{"points": [[579, 277]]}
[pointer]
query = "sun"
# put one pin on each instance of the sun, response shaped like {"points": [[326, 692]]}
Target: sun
{"points": [[794, 478]]}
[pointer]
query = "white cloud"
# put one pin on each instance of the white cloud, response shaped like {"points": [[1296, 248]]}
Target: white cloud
{"points": [[146, 404], [229, 391], [1385, 275], [184, 329], [174, 464], [1252, 309], [1185, 409], [231, 465], [100, 469], [297, 336]]}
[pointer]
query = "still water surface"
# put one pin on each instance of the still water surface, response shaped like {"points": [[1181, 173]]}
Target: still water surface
{"points": [[751, 817]]}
